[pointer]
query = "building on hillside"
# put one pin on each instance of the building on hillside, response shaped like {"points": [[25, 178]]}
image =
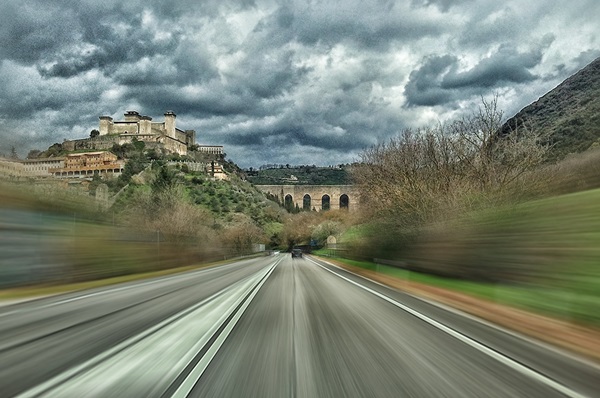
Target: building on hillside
{"points": [[143, 129], [41, 167], [215, 170], [210, 149], [10, 168], [81, 165], [29, 168], [137, 127]]}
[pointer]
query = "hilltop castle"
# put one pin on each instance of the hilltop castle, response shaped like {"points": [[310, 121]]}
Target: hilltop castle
{"points": [[137, 127], [93, 156]]}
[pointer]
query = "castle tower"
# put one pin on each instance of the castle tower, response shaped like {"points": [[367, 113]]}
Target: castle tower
{"points": [[145, 125], [170, 123], [132, 116], [106, 123], [190, 137]]}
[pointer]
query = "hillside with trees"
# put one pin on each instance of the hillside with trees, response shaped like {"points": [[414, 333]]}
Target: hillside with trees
{"points": [[300, 175], [569, 114]]}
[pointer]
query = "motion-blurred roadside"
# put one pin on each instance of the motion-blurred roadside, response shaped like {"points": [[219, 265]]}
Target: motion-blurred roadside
{"points": [[50, 236]]}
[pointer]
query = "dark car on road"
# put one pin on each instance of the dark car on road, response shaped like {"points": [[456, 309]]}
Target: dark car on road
{"points": [[296, 253]]}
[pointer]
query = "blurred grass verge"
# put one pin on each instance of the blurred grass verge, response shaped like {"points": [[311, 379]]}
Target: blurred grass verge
{"points": [[541, 256], [32, 292], [54, 240]]}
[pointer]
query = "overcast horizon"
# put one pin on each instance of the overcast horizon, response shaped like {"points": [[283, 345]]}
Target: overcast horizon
{"points": [[286, 82]]}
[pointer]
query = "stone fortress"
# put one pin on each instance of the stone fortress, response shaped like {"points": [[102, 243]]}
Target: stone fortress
{"points": [[137, 127], [92, 154]]}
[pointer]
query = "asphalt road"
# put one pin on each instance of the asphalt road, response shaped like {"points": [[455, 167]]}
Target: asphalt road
{"points": [[270, 327]]}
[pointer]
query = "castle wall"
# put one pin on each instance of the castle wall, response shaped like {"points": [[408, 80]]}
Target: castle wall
{"points": [[191, 137], [125, 127], [175, 146], [180, 136], [98, 143]]}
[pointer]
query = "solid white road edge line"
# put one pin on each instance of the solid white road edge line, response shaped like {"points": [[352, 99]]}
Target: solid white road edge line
{"points": [[467, 340], [559, 351]]}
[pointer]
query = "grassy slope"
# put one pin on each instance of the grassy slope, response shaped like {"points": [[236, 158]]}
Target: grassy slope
{"points": [[567, 230]]}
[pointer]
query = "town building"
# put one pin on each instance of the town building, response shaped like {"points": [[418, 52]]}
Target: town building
{"points": [[211, 149], [81, 165], [29, 168], [40, 167], [215, 170]]}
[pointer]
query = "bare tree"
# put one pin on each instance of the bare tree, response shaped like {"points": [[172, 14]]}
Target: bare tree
{"points": [[447, 168], [494, 160], [239, 239]]}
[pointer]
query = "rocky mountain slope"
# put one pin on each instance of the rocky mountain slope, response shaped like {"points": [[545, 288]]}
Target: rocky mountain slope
{"points": [[569, 114]]}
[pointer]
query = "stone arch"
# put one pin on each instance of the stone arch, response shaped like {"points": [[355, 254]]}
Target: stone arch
{"points": [[316, 193], [306, 202], [325, 202], [288, 202], [344, 202]]}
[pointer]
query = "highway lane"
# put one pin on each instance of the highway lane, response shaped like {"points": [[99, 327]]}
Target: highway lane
{"points": [[310, 333], [43, 338], [559, 365], [269, 327]]}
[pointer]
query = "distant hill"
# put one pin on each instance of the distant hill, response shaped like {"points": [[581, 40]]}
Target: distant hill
{"points": [[302, 175], [570, 113]]}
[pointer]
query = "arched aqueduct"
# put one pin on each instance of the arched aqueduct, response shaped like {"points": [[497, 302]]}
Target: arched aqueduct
{"points": [[317, 197]]}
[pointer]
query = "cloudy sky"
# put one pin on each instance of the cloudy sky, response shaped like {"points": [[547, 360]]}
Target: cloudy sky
{"points": [[280, 81]]}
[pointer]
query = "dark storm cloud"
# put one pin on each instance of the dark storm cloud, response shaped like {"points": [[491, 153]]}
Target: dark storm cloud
{"points": [[358, 24], [438, 81], [30, 29], [25, 92], [585, 57], [105, 47], [504, 66], [425, 84], [210, 101], [268, 74], [291, 135], [326, 78]]}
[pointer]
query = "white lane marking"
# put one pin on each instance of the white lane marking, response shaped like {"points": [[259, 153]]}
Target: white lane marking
{"points": [[190, 381], [119, 288], [467, 340], [57, 382]]}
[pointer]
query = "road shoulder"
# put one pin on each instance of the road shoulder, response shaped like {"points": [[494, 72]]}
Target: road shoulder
{"points": [[576, 338]]}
